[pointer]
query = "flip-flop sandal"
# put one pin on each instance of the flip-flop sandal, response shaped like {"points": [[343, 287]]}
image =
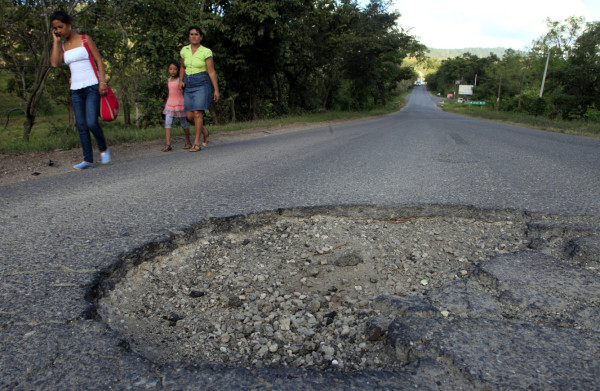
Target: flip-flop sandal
{"points": [[167, 148], [195, 148], [187, 146]]}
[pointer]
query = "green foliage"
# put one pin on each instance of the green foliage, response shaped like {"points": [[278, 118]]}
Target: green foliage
{"points": [[272, 57], [578, 82], [55, 134], [25, 46], [571, 86], [539, 107], [579, 128], [592, 114]]}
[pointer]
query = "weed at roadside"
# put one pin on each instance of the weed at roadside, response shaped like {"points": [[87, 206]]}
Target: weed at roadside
{"points": [[578, 128]]}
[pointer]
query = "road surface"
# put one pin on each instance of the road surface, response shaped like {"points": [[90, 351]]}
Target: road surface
{"points": [[61, 235]]}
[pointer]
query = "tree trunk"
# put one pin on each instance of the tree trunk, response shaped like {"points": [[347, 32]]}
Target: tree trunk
{"points": [[382, 91], [330, 82], [126, 111], [253, 107], [325, 96], [27, 125], [137, 115], [521, 88], [253, 104], [233, 119], [279, 91], [33, 102]]}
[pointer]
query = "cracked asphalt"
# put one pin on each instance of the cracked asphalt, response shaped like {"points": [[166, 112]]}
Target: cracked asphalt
{"points": [[61, 237]]}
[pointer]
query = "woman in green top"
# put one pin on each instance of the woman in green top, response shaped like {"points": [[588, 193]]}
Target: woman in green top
{"points": [[196, 75]]}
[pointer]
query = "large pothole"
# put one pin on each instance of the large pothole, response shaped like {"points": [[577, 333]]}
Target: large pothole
{"points": [[304, 288]]}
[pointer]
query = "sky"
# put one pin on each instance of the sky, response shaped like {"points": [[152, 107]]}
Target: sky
{"points": [[444, 24]]}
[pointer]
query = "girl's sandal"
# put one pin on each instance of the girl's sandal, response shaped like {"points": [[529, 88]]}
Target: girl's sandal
{"points": [[167, 148], [195, 148], [187, 146]]}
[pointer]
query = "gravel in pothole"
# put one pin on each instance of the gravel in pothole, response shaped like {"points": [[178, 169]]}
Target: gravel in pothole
{"points": [[296, 291]]}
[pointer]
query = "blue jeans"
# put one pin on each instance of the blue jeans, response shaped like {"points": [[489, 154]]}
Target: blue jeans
{"points": [[86, 106]]}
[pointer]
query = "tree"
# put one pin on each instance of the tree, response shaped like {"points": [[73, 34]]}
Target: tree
{"points": [[580, 79], [141, 37], [374, 50], [253, 46], [560, 35], [272, 57], [555, 47], [467, 68], [25, 46]]}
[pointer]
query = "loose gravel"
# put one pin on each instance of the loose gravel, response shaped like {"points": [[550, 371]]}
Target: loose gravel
{"points": [[279, 291]]}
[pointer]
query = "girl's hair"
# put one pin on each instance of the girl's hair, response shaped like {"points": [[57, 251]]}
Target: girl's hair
{"points": [[173, 62], [195, 28], [62, 16]]}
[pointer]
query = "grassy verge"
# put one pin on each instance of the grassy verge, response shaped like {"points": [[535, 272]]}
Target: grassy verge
{"points": [[578, 128], [50, 132]]}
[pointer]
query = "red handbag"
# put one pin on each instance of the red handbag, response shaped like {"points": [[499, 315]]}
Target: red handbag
{"points": [[109, 105]]}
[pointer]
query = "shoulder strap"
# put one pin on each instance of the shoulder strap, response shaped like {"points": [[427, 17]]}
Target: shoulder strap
{"points": [[84, 40]]}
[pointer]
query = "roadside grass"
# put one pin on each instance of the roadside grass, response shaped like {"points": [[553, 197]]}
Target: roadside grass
{"points": [[51, 131], [575, 127]]}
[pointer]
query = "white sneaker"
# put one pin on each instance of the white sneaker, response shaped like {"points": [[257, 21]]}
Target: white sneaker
{"points": [[105, 156]]}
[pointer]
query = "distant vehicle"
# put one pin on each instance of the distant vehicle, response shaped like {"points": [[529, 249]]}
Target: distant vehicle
{"points": [[419, 81], [460, 100]]}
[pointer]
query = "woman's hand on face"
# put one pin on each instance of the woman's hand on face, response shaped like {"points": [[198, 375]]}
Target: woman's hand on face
{"points": [[55, 36]]}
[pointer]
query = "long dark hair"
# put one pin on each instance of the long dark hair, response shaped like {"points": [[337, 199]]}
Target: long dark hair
{"points": [[62, 16], [173, 62]]}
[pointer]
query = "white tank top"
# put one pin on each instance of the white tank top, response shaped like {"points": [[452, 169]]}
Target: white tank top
{"points": [[82, 73]]}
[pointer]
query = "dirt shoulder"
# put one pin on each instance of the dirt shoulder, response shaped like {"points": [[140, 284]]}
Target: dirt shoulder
{"points": [[34, 165]]}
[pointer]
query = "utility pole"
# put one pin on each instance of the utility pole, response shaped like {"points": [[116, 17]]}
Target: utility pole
{"points": [[521, 87], [545, 71], [454, 91], [499, 91]]}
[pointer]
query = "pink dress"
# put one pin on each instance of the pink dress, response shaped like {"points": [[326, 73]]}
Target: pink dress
{"points": [[174, 106]]}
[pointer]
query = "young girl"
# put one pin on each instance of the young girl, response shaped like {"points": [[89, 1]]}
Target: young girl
{"points": [[174, 108]]}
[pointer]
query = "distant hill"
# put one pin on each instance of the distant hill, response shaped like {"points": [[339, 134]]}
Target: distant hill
{"points": [[452, 53]]}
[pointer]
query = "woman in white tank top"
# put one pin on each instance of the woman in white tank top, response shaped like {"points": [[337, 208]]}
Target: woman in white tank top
{"points": [[85, 87]]}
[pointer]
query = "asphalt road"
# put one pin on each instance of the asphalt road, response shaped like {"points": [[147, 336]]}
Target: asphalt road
{"points": [[61, 234]]}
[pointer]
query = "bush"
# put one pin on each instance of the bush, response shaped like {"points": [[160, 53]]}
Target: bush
{"points": [[592, 114], [539, 107]]}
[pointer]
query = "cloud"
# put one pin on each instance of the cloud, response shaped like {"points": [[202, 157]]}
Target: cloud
{"points": [[510, 23]]}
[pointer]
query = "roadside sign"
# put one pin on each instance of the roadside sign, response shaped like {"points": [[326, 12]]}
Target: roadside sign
{"points": [[465, 89], [476, 102]]}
